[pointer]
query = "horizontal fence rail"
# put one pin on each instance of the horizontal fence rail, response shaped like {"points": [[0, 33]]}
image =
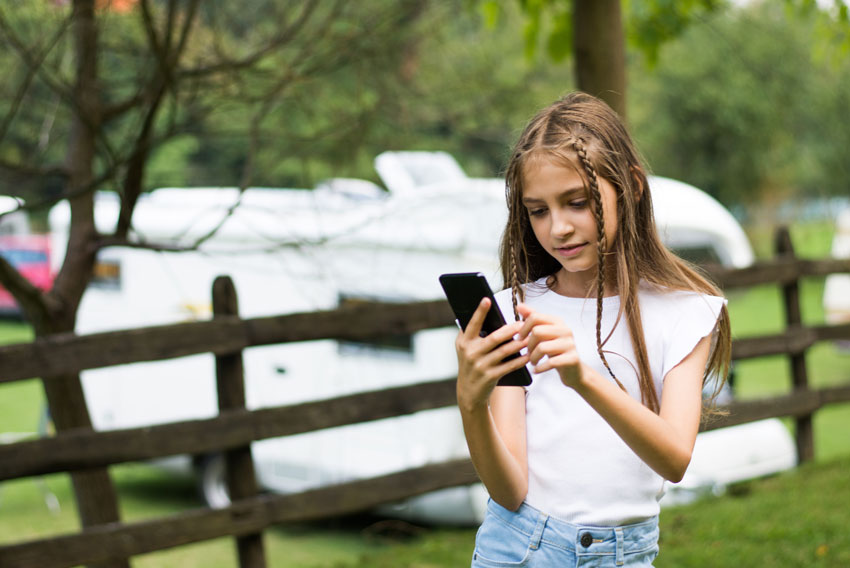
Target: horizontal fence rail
{"points": [[793, 341], [115, 541], [71, 353], [777, 271], [798, 403], [230, 429], [86, 449]]}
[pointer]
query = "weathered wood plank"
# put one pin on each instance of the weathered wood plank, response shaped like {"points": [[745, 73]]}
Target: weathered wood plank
{"points": [[82, 450], [795, 404], [777, 271], [70, 353], [804, 432], [795, 339], [230, 387], [46, 356], [231, 429], [243, 517]]}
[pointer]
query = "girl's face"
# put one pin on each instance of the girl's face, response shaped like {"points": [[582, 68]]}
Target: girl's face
{"points": [[562, 219]]}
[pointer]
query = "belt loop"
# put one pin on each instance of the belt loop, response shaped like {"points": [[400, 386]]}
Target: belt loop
{"points": [[542, 518], [618, 532]]}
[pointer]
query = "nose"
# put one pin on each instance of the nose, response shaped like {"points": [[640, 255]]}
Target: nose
{"points": [[562, 225]]}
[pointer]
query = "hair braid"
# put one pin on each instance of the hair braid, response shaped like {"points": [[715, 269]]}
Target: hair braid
{"points": [[516, 292], [602, 245]]}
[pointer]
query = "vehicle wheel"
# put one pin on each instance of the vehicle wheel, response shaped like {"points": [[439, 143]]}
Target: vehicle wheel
{"points": [[212, 485]]}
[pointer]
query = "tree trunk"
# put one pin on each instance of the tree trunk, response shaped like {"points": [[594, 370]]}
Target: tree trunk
{"points": [[93, 489], [599, 51]]}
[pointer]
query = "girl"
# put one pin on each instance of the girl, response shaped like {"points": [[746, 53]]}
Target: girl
{"points": [[620, 335]]}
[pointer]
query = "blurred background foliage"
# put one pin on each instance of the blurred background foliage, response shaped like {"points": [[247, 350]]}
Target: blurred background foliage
{"points": [[745, 100]]}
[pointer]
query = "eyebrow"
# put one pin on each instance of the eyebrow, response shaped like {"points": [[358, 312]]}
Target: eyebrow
{"points": [[564, 193]]}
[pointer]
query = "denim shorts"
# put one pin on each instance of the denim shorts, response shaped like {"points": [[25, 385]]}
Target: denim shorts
{"points": [[531, 538]]}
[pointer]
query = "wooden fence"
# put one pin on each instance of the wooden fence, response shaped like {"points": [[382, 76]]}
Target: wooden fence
{"points": [[232, 431]]}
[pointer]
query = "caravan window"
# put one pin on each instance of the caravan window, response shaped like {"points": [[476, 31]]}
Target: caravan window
{"points": [[107, 274]]}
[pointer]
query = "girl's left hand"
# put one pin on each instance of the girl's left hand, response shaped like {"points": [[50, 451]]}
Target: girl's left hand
{"points": [[548, 336]]}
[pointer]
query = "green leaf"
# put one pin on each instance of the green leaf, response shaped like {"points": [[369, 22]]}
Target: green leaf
{"points": [[560, 40], [491, 11], [531, 27]]}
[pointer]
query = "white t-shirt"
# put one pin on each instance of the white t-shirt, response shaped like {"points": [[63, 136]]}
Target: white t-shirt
{"points": [[579, 469]]}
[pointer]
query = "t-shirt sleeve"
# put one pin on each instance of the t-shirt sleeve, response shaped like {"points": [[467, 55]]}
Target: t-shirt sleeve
{"points": [[696, 317]]}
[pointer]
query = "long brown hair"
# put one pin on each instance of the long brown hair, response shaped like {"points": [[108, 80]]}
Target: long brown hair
{"points": [[583, 132]]}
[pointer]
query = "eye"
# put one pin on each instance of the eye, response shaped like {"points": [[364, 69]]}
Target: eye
{"points": [[537, 212], [578, 204]]}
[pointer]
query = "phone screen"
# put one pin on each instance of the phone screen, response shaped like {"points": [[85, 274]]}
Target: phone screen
{"points": [[464, 292]]}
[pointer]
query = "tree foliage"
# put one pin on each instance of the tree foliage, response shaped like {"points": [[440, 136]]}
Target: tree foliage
{"points": [[746, 106], [548, 25]]}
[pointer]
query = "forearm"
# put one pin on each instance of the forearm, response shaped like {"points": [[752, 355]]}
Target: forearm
{"points": [[661, 446], [505, 478]]}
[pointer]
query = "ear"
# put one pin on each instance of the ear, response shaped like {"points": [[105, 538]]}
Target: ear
{"points": [[638, 176]]}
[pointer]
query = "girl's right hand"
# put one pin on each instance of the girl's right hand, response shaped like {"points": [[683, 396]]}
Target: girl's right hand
{"points": [[481, 359]]}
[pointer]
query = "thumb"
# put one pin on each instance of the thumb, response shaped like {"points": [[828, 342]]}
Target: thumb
{"points": [[524, 310]]}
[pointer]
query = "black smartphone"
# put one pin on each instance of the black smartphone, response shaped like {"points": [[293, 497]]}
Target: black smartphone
{"points": [[465, 290]]}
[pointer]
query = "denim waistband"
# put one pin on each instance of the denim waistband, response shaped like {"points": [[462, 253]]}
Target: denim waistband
{"points": [[583, 539]]}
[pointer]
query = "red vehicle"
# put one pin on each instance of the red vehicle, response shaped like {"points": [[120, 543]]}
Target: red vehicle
{"points": [[27, 252]]}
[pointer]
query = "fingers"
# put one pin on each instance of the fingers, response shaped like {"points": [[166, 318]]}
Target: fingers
{"points": [[508, 366], [532, 319], [494, 358], [484, 357], [558, 357], [497, 337], [473, 328], [550, 342]]}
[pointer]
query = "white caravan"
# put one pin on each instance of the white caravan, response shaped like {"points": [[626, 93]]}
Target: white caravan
{"points": [[836, 291], [299, 250]]}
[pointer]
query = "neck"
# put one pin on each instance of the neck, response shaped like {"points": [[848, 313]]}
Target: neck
{"points": [[569, 285]]}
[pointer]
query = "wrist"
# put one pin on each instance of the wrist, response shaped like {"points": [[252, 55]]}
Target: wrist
{"points": [[472, 409], [584, 380]]}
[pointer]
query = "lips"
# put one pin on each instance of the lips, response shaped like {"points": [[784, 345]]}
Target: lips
{"points": [[571, 250]]}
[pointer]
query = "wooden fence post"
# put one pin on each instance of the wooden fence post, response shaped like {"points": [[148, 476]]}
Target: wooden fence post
{"points": [[94, 492], [230, 383], [793, 319]]}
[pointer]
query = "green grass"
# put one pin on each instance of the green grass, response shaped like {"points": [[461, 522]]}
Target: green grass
{"points": [[795, 519], [785, 521]]}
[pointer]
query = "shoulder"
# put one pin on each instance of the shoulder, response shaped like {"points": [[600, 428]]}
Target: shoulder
{"points": [[674, 321], [673, 304]]}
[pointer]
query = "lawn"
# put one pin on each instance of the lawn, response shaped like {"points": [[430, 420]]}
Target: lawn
{"points": [[788, 520], [784, 521]]}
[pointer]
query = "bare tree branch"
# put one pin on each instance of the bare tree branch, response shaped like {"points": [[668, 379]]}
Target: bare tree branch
{"points": [[29, 171], [285, 36], [31, 300], [115, 110], [32, 71], [33, 63], [159, 85]]}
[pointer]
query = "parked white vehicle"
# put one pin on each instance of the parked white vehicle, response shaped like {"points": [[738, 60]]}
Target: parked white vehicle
{"points": [[298, 250], [836, 291]]}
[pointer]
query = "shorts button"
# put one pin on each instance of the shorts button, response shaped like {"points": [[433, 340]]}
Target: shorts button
{"points": [[586, 540]]}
